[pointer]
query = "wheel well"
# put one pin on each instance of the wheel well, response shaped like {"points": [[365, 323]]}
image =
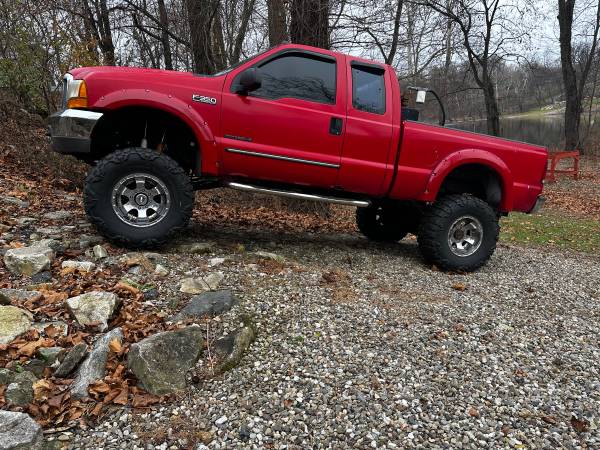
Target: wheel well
{"points": [[476, 179], [165, 132]]}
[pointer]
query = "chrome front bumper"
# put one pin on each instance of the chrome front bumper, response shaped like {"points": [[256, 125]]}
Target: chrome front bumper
{"points": [[71, 130]]}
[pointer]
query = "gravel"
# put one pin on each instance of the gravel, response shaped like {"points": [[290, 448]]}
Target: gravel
{"points": [[361, 345]]}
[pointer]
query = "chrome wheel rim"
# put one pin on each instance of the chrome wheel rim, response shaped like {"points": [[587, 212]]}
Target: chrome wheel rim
{"points": [[465, 236], [141, 200]]}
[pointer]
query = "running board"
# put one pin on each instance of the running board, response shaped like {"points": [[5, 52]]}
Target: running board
{"points": [[298, 195]]}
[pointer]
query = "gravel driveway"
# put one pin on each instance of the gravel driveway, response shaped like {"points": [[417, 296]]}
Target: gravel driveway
{"points": [[362, 346]]}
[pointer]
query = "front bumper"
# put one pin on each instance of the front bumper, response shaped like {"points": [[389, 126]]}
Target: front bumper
{"points": [[71, 130], [539, 203]]}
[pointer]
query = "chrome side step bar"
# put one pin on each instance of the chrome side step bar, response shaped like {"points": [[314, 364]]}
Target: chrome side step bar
{"points": [[298, 195]]}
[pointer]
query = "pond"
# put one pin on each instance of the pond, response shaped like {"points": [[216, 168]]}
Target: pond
{"points": [[547, 130]]}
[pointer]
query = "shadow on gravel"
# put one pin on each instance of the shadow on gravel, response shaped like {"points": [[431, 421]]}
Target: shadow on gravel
{"points": [[228, 235]]}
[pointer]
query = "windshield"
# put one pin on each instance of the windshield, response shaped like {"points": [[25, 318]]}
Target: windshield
{"points": [[238, 64]]}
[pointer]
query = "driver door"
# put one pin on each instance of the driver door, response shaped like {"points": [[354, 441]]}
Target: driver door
{"points": [[291, 129]]}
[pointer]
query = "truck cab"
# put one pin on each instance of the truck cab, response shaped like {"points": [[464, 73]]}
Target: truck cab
{"points": [[296, 121]]}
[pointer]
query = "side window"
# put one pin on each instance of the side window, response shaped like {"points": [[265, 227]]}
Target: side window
{"points": [[298, 75], [368, 89]]}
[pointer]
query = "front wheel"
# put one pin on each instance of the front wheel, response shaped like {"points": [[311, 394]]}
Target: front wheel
{"points": [[459, 232], [137, 197]]}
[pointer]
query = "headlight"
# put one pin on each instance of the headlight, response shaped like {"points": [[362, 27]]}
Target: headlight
{"points": [[75, 93]]}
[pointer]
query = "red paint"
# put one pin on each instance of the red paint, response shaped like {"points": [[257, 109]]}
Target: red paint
{"points": [[366, 151]]}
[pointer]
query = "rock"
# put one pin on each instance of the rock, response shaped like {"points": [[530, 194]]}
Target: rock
{"points": [[29, 260], [161, 361], [19, 295], [50, 354], [80, 266], [54, 244], [88, 241], [36, 366], [214, 279], [196, 248], [161, 271], [71, 360], [42, 277], [208, 304], [93, 308], [18, 431], [13, 322], [20, 390], [94, 366], [99, 251], [14, 201], [26, 220], [213, 262], [4, 300], [232, 347], [193, 286], [5, 376], [271, 256], [201, 284], [58, 215]]}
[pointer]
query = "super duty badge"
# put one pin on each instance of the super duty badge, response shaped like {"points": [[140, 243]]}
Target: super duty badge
{"points": [[204, 99]]}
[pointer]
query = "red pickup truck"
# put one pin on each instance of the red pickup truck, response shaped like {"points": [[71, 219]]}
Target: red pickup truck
{"points": [[295, 121]]}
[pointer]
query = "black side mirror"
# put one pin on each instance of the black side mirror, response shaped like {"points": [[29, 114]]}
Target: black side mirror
{"points": [[250, 80]]}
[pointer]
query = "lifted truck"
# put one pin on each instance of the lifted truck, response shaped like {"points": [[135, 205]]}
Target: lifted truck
{"points": [[295, 121]]}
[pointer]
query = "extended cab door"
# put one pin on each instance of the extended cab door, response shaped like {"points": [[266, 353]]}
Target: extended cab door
{"points": [[369, 150], [291, 129]]}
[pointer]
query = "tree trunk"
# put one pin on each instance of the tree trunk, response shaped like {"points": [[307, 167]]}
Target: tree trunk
{"points": [[278, 32], [164, 34], [107, 47], [309, 22], [201, 14], [572, 97], [491, 108]]}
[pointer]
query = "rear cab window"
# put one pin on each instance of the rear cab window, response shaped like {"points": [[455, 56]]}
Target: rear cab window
{"points": [[368, 88]]}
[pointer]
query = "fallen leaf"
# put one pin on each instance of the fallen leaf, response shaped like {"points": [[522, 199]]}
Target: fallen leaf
{"points": [[459, 287], [581, 426], [550, 419], [473, 412], [115, 345]]}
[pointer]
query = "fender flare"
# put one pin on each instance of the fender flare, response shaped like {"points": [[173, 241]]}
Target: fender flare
{"points": [[471, 156]]}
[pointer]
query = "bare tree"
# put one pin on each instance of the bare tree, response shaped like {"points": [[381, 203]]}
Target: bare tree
{"points": [[276, 12], [487, 28], [574, 87], [309, 22]]}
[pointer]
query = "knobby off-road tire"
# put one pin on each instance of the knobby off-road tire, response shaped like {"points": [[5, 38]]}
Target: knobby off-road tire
{"points": [[459, 233], [138, 197], [380, 223]]}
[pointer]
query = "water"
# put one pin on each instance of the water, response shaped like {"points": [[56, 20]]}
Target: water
{"points": [[542, 130]]}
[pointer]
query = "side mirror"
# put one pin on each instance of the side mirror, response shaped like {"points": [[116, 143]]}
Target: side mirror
{"points": [[250, 80], [421, 97]]}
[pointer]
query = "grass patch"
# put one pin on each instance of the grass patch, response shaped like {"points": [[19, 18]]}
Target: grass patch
{"points": [[552, 229]]}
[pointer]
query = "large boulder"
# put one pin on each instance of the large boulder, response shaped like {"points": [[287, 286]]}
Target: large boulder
{"points": [[93, 308], [94, 366], [30, 260], [160, 362], [18, 431], [210, 304], [13, 322]]}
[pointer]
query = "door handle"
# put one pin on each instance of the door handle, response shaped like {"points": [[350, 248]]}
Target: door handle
{"points": [[336, 125]]}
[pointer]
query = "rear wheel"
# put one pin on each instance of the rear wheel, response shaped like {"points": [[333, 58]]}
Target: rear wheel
{"points": [[137, 197], [381, 223], [459, 232]]}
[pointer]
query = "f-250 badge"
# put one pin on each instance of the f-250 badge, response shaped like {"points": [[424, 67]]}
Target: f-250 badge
{"points": [[204, 99]]}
